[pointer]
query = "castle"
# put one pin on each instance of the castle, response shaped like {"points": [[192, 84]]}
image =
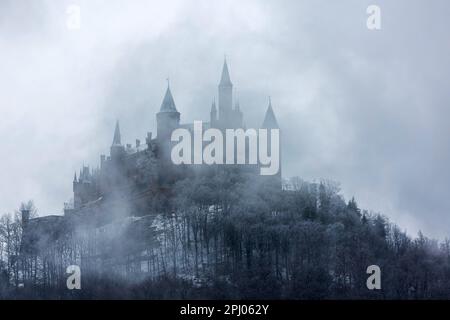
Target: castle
{"points": [[133, 174], [121, 167]]}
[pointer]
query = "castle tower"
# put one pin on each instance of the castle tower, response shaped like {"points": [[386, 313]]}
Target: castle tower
{"points": [[168, 117], [83, 188], [117, 149], [270, 122], [213, 114], [117, 138], [225, 97]]}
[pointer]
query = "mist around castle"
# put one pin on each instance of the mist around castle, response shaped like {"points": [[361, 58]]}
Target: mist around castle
{"points": [[143, 226], [190, 150]]}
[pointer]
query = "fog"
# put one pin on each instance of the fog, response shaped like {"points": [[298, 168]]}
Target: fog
{"points": [[366, 108]]}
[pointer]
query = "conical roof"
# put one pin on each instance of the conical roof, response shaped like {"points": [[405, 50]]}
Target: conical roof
{"points": [[168, 104], [270, 121], [116, 139], [225, 78]]}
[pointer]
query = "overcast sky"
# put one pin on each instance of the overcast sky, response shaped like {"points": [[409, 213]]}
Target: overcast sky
{"points": [[367, 108]]}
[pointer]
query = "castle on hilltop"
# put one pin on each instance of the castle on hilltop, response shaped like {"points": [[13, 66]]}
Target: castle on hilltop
{"points": [[149, 165], [126, 196], [133, 178]]}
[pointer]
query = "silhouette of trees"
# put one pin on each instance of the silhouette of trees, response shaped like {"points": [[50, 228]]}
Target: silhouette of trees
{"points": [[224, 234]]}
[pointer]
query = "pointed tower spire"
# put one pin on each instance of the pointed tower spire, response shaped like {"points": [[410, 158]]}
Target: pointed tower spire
{"points": [[116, 149], [116, 139], [213, 113], [225, 80], [75, 177], [225, 98], [270, 121], [168, 104], [167, 119]]}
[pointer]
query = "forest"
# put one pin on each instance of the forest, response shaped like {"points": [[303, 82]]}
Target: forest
{"points": [[228, 236]]}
